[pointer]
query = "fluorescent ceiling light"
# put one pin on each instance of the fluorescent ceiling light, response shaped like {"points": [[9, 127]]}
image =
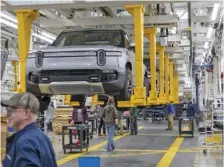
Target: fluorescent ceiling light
{"points": [[8, 23], [210, 31], [16, 27], [8, 17], [206, 45], [215, 11]]}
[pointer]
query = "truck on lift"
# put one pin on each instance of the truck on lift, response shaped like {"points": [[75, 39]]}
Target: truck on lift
{"points": [[84, 62]]}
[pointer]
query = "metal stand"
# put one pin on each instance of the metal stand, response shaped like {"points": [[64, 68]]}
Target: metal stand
{"points": [[190, 131], [157, 116], [82, 128]]}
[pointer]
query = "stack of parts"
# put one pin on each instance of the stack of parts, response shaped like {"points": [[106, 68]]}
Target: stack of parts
{"points": [[63, 116]]}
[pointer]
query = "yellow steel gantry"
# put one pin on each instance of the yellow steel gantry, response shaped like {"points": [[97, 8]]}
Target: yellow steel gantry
{"points": [[150, 33], [161, 50], [139, 96], [176, 90], [171, 95], [167, 87], [25, 19], [15, 64]]}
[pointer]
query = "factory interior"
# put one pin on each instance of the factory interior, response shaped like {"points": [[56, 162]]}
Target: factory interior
{"points": [[117, 83]]}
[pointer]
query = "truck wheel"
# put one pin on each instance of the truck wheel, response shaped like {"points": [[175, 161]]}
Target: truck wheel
{"points": [[127, 91], [44, 102]]}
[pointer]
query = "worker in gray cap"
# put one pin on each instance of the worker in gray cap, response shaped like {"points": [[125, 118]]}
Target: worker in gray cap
{"points": [[28, 146]]}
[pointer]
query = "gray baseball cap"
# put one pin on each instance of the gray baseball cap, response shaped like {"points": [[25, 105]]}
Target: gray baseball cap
{"points": [[25, 100]]}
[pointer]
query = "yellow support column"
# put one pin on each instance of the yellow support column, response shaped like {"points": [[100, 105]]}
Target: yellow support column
{"points": [[171, 96], [15, 64], [95, 100], [137, 11], [25, 19], [176, 80], [150, 33], [67, 99], [166, 78], [161, 50]]}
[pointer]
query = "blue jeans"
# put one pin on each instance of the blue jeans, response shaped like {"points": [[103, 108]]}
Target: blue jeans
{"points": [[110, 142]]}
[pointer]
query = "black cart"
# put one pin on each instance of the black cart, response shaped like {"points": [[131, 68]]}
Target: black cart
{"points": [[72, 131], [189, 120], [157, 115]]}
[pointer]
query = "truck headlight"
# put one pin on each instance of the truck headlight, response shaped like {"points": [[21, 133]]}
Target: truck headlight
{"points": [[101, 57]]}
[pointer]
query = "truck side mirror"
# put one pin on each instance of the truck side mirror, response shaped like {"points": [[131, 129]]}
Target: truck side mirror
{"points": [[132, 46]]}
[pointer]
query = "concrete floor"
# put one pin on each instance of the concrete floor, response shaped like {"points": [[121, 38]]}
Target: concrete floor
{"points": [[153, 147]]}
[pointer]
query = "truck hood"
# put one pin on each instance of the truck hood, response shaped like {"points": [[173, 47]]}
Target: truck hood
{"points": [[78, 48]]}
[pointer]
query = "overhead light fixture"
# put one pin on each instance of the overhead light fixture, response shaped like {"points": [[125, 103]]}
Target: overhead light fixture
{"points": [[206, 45], [215, 11], [210, 31], [8, 23], [12, 22], [8, 17]]}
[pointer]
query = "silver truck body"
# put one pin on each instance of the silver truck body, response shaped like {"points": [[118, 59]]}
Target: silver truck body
{"points": [[78, 69]]}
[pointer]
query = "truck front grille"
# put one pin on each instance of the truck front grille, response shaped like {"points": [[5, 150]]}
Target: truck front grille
{"points": [[68, 72]]}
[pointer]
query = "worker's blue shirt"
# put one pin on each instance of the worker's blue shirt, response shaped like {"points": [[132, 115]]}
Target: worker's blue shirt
{"points": [[171, 109], [29, 147], [191, 110]]}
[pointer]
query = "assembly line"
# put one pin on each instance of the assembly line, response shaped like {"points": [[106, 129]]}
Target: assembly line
{"points": [[99, 93]]}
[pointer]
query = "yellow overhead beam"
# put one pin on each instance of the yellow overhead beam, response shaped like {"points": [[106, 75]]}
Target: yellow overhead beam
{"points": [[167, 78], [150, 33], [25, 19]]}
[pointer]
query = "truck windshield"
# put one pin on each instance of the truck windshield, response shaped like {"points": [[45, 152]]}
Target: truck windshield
{"points": [[91, 37]]}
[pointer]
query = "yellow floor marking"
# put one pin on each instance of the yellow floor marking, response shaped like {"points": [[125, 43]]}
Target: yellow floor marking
{"points": [[185, 129], [171, 152], [129, 154], [175, 135], [93, 148], [133, 150]]}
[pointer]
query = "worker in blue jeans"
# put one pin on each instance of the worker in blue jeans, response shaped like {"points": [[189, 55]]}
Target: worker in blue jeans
{"points": [[134, 124], [110, 116], [171, 114]]}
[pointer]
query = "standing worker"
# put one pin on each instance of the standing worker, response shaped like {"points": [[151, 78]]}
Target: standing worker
{"points": [[28, 146], [110, 116], [171, 114], [80, 116], [120, 121], [102, 123], [134, 125]]}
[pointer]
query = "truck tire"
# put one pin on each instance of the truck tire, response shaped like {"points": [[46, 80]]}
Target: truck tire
{"points": [[127, 91], [44, 102]]}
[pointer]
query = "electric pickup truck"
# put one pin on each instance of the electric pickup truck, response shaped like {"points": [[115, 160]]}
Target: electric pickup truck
{"points": [[84, 62]]}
